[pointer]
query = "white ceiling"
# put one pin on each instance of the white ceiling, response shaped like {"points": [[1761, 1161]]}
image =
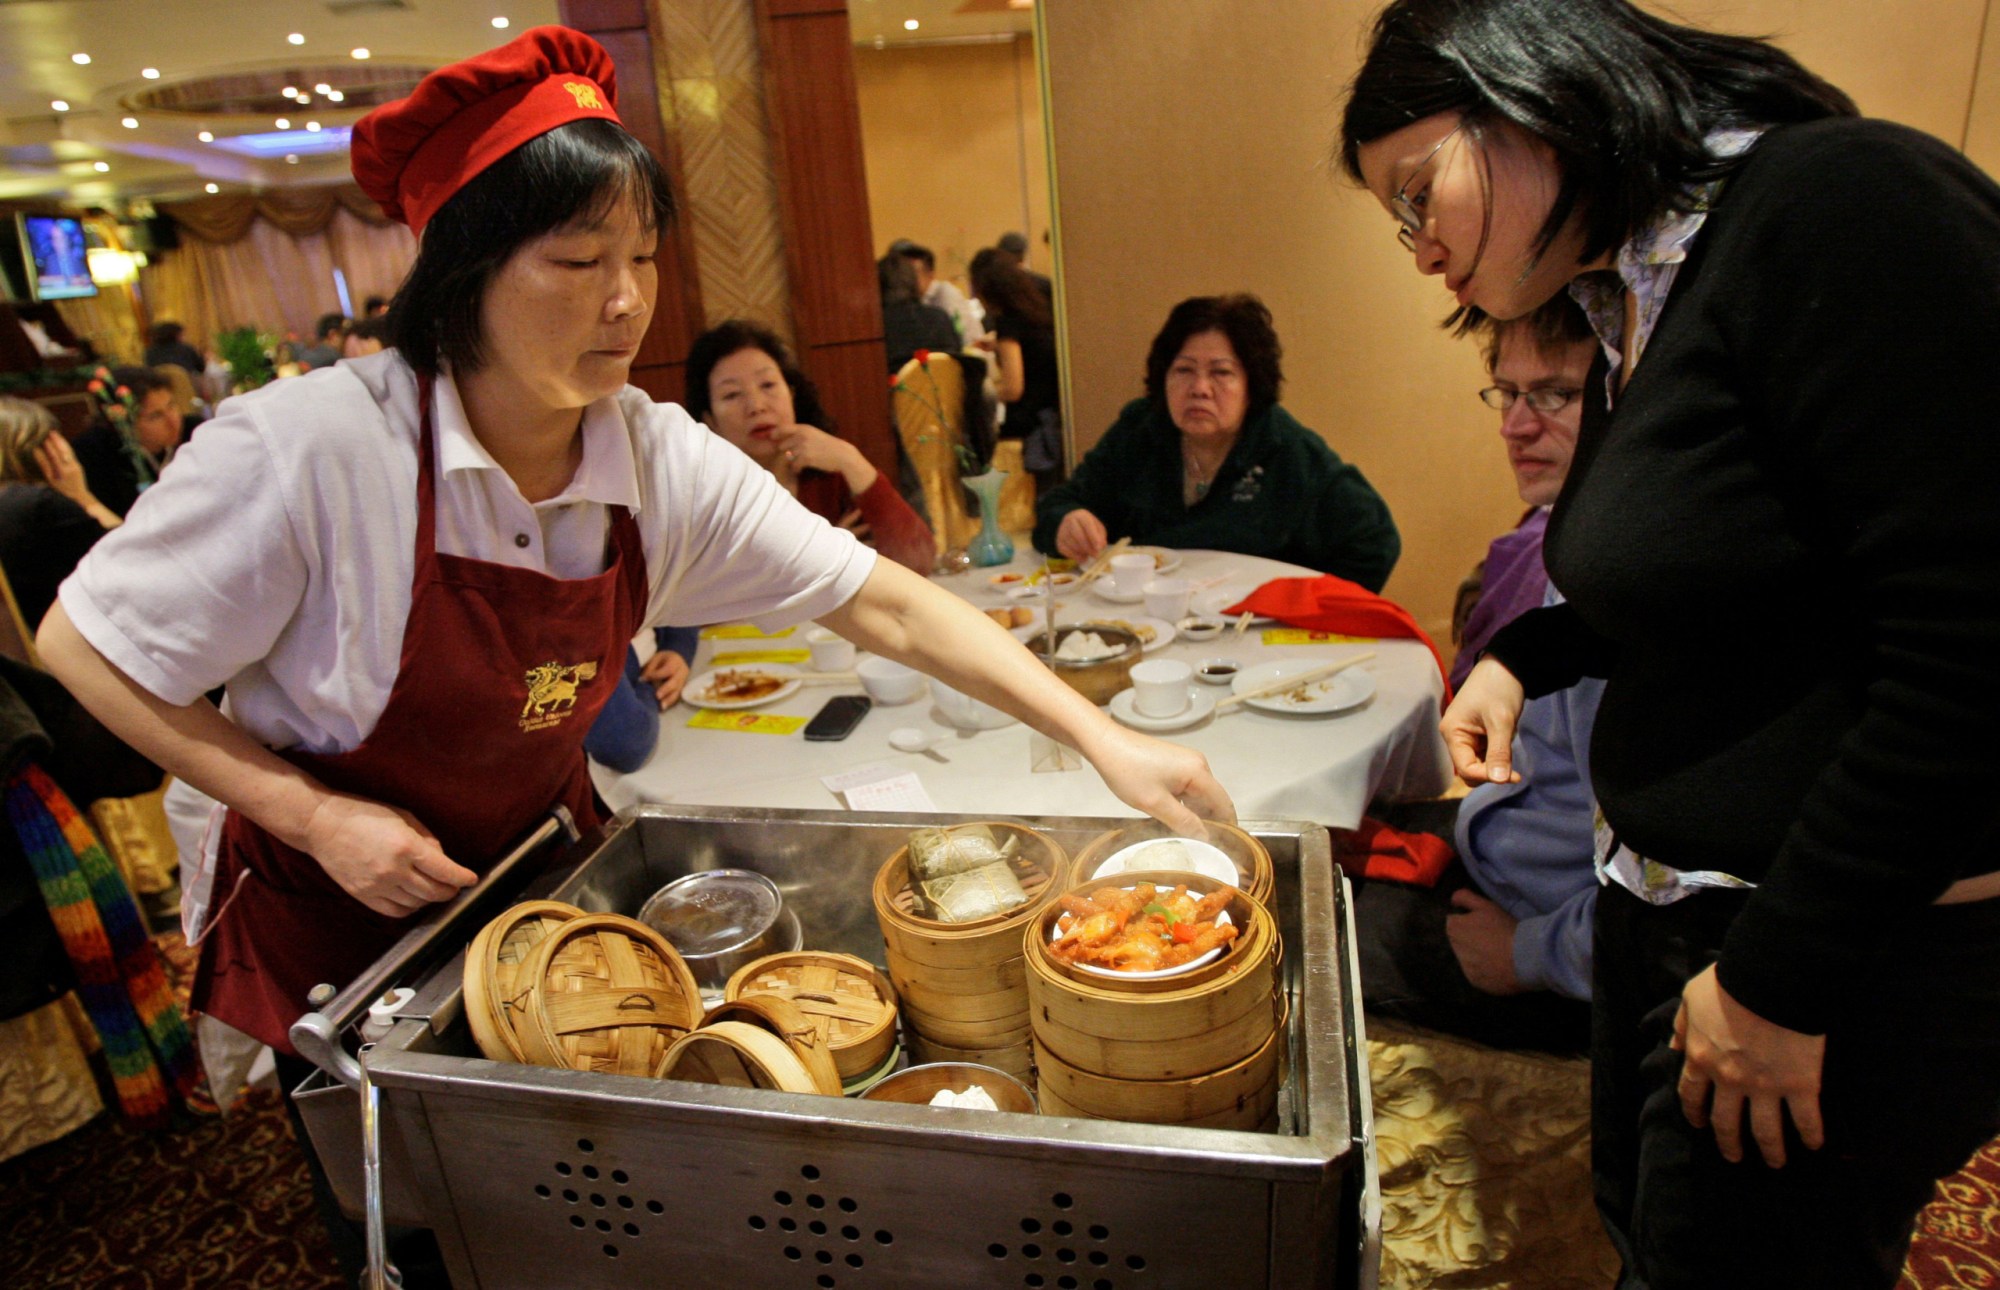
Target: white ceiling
{"points": [[55, 155]]}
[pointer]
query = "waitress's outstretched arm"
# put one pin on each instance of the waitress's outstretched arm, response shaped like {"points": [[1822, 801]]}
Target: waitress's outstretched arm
{"points": [[383, 857], [900, 615]]}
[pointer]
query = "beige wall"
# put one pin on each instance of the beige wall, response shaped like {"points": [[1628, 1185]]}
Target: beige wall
{"points": [[1191, 142], [950, 134]]}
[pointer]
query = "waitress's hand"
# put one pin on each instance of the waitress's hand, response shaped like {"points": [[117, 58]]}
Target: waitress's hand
{"points": [[1081, 535], [1479, 725], [383, 857], [1734, 1056], [667, 673], [1168, 782]]}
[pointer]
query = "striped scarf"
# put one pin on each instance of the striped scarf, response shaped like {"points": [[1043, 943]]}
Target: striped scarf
{"points": [[118, 971]]}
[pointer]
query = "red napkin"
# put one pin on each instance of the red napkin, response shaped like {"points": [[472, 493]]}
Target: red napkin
{"points": [[1374, 850], [1329, 604]]}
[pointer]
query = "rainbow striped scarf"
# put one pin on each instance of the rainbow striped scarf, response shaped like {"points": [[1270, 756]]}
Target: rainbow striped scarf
{"points": [[118, 972]]}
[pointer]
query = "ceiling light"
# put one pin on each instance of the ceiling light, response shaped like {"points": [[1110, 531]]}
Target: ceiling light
{"points": [[81, 60], [501, 23], [291, 158], [911, 24], [359, 53], [296, 38], [150, 73], [335, 95], [211, 188], [290, 91], [60, 105], [323, 88], [206, 137], [100, 166], [312, 125], [130, 123]]}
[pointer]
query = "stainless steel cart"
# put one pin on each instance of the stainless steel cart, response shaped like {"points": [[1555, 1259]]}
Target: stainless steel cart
{"points": [[534, 1177]]}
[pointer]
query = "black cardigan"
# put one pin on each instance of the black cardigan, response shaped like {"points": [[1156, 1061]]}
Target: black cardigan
{"points": [[1783, 550]]}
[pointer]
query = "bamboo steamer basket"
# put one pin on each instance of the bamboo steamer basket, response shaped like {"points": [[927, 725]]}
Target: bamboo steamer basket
{"points": [[1098, 680], [1241, 1096], [1003, 1032], [495, 1002], [1254, 873], [918, 945], [1017, 1060], [739, 1055], [606, 993], [782, 1018], [845, 999], [1170, 1028], [1260, 1115]]}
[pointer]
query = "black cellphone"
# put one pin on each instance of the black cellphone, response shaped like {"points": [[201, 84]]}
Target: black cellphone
{"points": [[838, 718]]}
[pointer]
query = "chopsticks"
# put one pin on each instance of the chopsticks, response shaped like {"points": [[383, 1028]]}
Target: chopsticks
{"points": [[1308, 677], [1243, 625], [1100, 564]]}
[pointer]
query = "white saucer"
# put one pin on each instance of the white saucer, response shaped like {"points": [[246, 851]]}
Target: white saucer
{"points": [[1105, 589], [1201, 704]]}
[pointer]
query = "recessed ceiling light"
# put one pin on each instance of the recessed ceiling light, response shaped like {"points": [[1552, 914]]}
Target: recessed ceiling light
{"points": [[130, 123], [291, 158], [284, 123], [101, 167], [305, 99], [60, 105], [312, 125], [335, 95], [296, 38], [150, 73], [359, 53], [211, 188], [290, 91], [323, 88], [500, 23], [81, 60], [206, 137], [911, 24]]}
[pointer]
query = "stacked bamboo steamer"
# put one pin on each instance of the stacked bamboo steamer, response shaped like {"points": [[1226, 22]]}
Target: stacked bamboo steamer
{"points": [[1255, 876], [963, 987], [1199, 1047]]}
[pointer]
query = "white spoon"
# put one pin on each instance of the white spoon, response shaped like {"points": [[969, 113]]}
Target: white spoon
{"points": [[909, 739]]}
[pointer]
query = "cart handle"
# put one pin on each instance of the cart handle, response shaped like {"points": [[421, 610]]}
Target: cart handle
{"points": [[317, 1034]]}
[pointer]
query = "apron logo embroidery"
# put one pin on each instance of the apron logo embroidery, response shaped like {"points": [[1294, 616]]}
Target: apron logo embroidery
{"points": [[585, 95], [552, 693]]}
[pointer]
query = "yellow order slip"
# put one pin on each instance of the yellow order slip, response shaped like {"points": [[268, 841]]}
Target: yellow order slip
{"points": [[737, 658], [756, 723], [1300, 636], [742, 632]]}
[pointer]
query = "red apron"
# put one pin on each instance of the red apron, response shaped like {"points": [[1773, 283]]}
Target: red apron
{"points": [[503, 670]]}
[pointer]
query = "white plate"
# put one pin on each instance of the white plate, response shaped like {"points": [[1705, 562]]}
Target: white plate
{"points": [[1337, 693], [698, 686], [1164, 560], [1163, 631], [1204, 858], [1116, 975], [1106, 590], [1201, 704]]}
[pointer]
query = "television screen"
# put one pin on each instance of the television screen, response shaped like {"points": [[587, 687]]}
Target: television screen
{"points": [[58, 268]]}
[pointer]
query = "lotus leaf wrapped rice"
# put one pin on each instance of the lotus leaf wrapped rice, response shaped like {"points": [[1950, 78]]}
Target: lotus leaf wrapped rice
{"points": [[940, 853], [971, 895]]}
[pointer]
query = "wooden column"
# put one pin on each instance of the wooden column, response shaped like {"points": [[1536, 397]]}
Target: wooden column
{"points": [[815, 120], [620, 26]]}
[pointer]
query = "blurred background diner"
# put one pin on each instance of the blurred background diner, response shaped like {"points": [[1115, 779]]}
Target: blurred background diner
{"points": [[995, 202]]}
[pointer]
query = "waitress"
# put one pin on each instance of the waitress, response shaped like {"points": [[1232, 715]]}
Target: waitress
{"points": [[417, 573]]}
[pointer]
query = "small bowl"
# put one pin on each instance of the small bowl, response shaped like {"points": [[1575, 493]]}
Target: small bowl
{"points": [[918, 1084], [721, 919], [1217, 671], [889, 682], [1199, 627]]}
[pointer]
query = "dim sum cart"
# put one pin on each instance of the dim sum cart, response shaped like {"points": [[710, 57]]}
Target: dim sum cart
{"points": [[536, 1178]]}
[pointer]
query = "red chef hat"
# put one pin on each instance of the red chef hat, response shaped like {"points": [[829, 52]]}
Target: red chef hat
{"points": [[413, 154]]}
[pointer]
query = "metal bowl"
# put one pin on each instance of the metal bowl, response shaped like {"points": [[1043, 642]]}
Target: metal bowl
{"points": [[721, 919], [919, 1084], [1100, 678]]}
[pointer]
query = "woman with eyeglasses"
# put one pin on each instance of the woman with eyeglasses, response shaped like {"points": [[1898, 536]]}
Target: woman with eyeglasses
{"points": [[1777, 542]]}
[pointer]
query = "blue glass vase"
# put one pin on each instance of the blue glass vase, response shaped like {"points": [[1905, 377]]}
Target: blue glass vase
{"points": [[990, 546]]}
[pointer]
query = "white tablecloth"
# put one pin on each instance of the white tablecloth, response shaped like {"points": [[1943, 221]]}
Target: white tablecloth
{"points": [[1324, 769]]}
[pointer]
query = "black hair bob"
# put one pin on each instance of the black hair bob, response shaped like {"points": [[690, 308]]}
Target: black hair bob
{"points": [[733, 337], [1246, 322], [1624, 99], [574, 174]]}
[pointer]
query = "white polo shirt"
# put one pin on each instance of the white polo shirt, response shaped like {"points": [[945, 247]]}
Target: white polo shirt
{"points": [[276, 552]]}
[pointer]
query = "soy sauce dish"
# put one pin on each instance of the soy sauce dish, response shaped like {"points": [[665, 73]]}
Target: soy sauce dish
{"points": [[1217, 671]]}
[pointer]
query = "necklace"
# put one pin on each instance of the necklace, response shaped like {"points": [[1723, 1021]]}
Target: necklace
{"points": [[1199, 478]]}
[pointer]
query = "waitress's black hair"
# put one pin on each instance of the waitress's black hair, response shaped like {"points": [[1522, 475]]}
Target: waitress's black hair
{"points": [[574, 174], [1242, 318], [733, 337], [1624, 99]]}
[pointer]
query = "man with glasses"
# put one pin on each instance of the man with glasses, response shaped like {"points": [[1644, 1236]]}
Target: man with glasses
{"points": [[1499, 950]]}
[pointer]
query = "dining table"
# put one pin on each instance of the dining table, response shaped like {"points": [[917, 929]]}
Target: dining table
{"points": [[1323, 767]]}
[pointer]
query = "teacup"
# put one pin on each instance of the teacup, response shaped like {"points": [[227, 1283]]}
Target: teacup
{"points": [[1167, 598], [1129, 572], [1160, 687], [831, 652]]}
